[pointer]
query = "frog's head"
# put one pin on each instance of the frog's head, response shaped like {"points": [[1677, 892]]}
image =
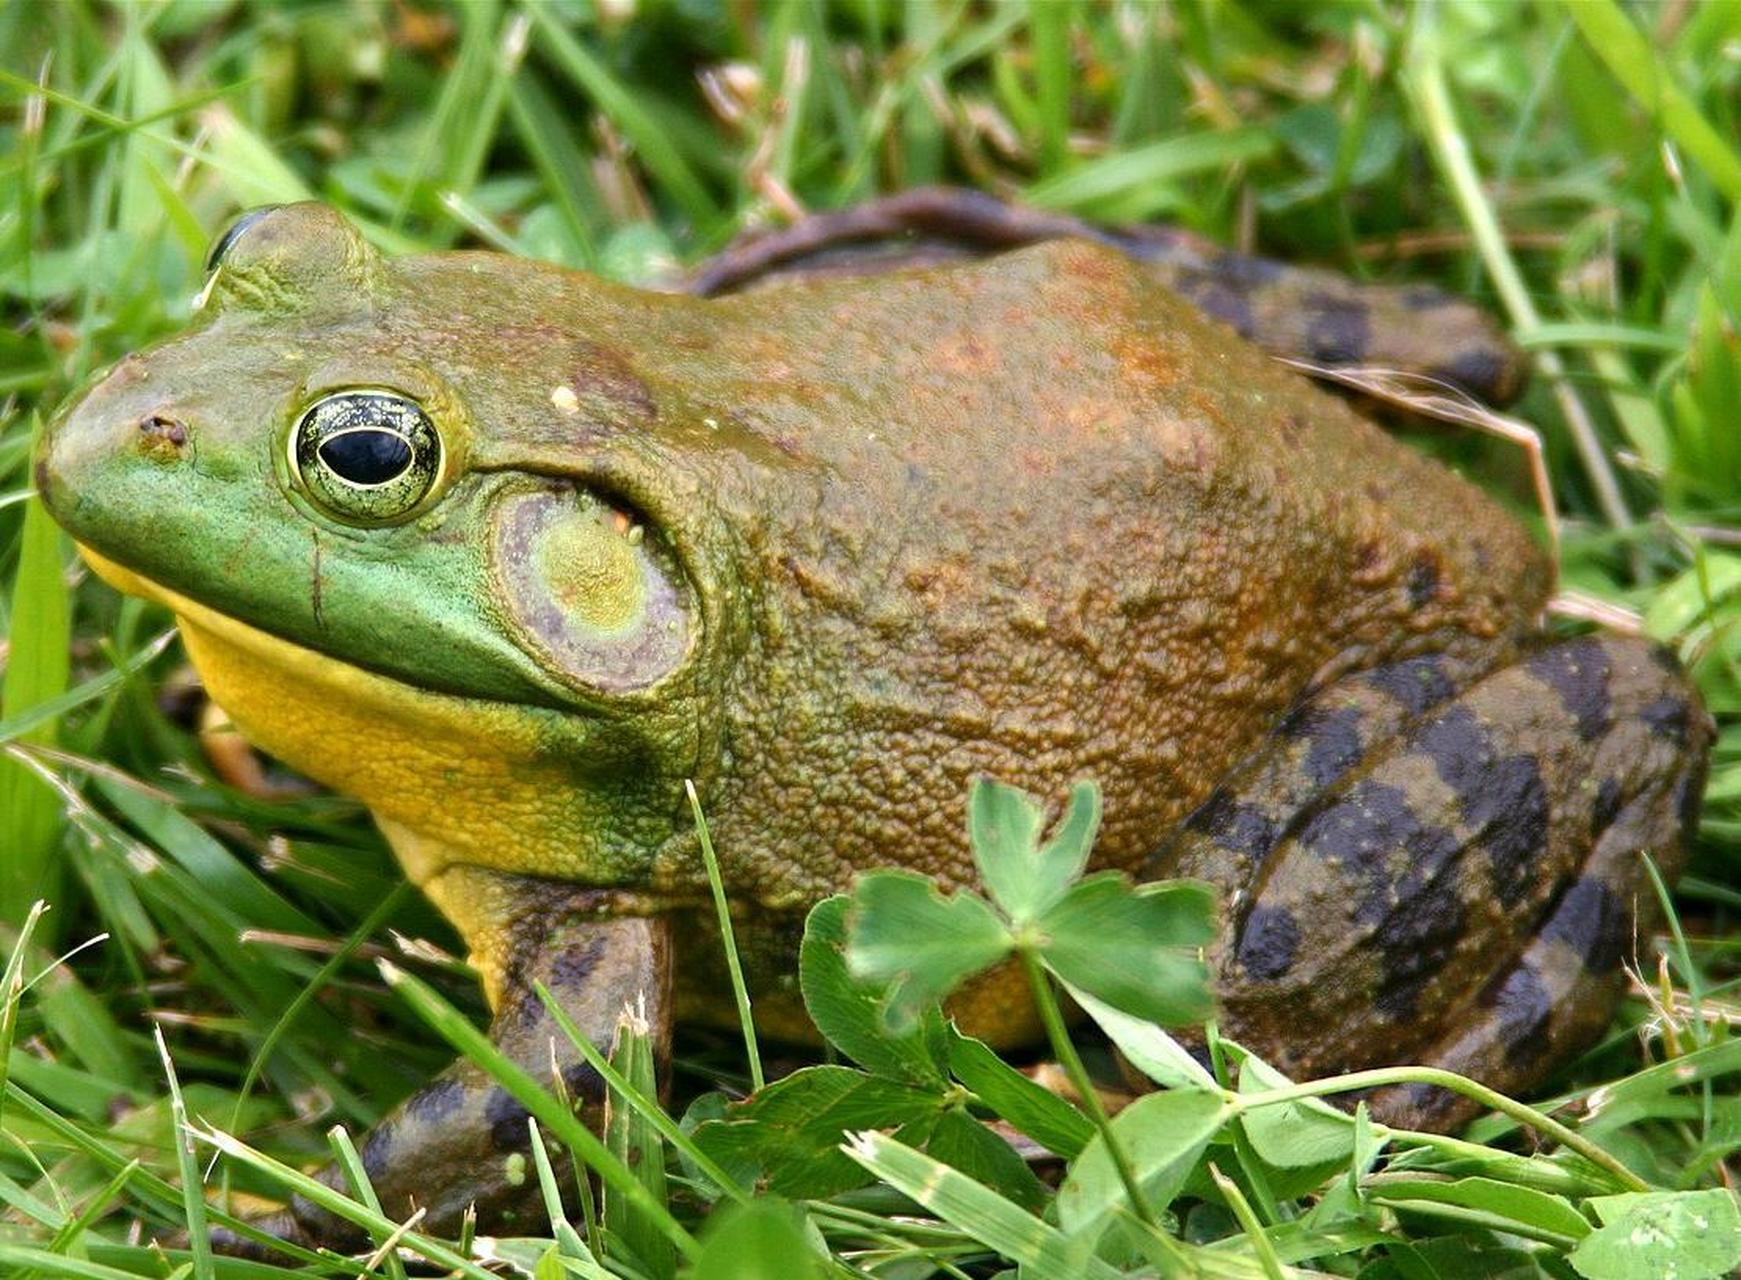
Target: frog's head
{"points": [[405, 493]]}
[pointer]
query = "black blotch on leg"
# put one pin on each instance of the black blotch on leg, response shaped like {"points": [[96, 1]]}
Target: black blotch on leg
{"points": [[1668, 717], [571, 966], [1479, 371], [1578, 671], [1663, 658], [1512, 813], [1460, 750], [436, 1102], [1364, 828], [1269, 942], [1415, 941], [1236, 827], [377, 1153], [1409, 901], [584, 1084], [506, 1118], [1503, 798], [1524, 1012], [1593, 920], [1689, 797], [1605, 806], [1423, 579], [1430, 1102], [1417, 683], [1224, 302], [1332, 739], [1336, 329]]}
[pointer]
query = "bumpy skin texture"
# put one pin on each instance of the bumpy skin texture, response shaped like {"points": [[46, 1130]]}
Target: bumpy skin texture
{"points": [[1300, 313], [834, 548]]}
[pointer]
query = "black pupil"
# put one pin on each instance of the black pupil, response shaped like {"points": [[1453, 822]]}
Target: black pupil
{"points": [[367, 456]]}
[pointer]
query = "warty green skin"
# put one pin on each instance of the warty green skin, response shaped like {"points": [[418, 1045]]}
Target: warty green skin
{"points": [[1035, 517]]}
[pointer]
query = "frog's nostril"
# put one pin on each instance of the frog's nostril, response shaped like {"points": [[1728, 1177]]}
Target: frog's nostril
{"points": [[161, 436]]}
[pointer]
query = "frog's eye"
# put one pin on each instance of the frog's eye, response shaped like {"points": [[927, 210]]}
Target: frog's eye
{"points": [[366, 457]]}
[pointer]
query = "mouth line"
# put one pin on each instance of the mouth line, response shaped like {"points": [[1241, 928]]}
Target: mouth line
{"points": [[266, 644]]}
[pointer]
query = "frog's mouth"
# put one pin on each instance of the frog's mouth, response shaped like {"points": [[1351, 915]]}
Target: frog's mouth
{"points": [[309, 667], [453, 779], [477, 772]]}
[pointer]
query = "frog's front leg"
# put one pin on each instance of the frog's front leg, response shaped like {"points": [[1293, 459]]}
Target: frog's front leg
{"points": [[462, 1140], [1430, 863]]}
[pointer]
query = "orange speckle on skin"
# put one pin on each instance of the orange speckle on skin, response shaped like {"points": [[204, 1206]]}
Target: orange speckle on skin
{"points": [[965, 353], [1146, 360]]}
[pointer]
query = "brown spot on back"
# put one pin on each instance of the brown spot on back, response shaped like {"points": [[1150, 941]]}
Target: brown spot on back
{"points": [[605, 381]]}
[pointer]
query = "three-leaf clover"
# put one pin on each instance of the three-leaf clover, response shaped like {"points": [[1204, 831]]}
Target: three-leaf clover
{"points": [[1135, 947]]}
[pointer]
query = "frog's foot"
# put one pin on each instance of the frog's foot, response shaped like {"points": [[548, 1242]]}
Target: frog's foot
{"points": [[462, 1140], [1431, 865]]}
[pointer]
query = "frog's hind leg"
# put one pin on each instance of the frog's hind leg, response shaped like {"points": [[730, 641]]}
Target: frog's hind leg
{"points": [[462, 1140], [1444, 865], [1559, 995]]}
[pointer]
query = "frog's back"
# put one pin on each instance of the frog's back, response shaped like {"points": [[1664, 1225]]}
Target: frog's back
{"points": [[1056, 523]]}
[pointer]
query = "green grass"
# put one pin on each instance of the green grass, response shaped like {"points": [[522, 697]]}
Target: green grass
{"points": [[1574, 165]]}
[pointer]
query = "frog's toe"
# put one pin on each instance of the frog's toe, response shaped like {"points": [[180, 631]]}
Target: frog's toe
{"points": [[278, 1226], [1448, 869]]}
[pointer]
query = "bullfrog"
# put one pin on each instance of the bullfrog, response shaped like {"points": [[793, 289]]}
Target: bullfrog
{"points": [[511, 552]]}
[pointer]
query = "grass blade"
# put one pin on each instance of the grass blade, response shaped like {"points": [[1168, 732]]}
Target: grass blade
{"points": [[1613, 38], [637, 124], [986, 1216], [739, 990], [37, 668], [631, 1135], [193, 1198], [457, 1031]]}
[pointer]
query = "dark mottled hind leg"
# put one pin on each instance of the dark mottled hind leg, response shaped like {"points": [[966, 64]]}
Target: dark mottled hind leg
{"points": [[461, 1140], [1441, 866], [1642, 797]]}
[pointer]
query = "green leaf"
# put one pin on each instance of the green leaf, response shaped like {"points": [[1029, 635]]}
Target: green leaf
{"points": [[1022, 876], [1688, 597], [1145, 1046], [551, 1113], [1003, 829], [1498, 1206], [1030, 1107], [1629, 54], [229, 879], [791, 1130], [963, 1143], [849, 1011], [903, 932], [764, 1238], [627, 109], [1139, 173], [1162, 1135], [1292, 1135], [1691, 1235], [1135, 947], [1460, 1257], [1639, 1095]]}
